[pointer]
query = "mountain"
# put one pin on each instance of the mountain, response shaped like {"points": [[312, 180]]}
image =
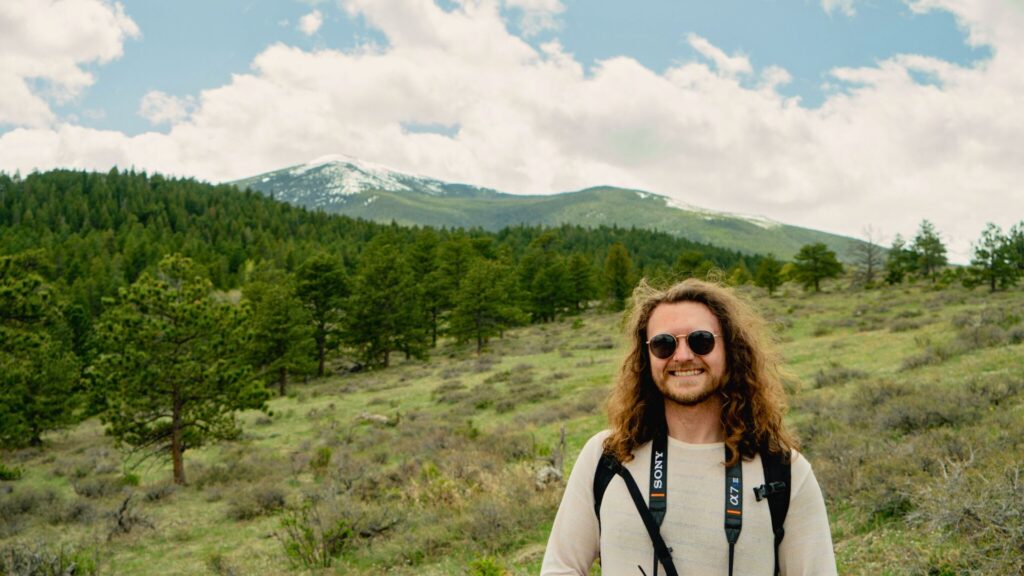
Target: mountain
{"points": [[346, 185]]}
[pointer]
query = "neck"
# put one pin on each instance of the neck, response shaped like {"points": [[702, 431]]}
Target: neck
{"points": [[700, 424]]}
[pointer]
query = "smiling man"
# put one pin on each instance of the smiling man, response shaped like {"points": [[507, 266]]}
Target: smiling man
{"points": [[698, 474]]}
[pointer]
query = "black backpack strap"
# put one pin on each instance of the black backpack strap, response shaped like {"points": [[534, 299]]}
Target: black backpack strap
{"points": [[602, 476], [607, 467], [777, 484]]}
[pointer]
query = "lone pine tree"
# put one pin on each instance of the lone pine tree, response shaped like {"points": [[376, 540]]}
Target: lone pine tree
{"points": [[171, 364]]}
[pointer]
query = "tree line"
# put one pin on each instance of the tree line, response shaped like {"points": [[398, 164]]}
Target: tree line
{"points": [[164, 305]]}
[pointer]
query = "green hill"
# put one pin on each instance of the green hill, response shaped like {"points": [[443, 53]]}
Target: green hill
{"points": [[347, 186], [910, 407]]}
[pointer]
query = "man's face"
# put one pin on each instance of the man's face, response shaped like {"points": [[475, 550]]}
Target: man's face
{"points": [[685, 377]]}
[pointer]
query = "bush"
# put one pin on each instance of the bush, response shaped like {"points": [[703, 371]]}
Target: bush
{"points": [[99, 487], [26, 501], [257, 501], [312, 538], [44, 560], [9, 474], [159, 492], [836, 375], [79, 511], [486, 566]]}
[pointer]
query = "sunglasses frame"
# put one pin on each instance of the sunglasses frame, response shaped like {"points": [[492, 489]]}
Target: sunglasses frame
{"points": [[685, 338]]}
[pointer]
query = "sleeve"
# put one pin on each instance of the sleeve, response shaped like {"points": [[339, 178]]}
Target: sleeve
{"points": [[575, 540], [806, 549]]}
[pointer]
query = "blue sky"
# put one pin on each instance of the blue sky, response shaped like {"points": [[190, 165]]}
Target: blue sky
{"points": [[190, 45], [831, 114]]}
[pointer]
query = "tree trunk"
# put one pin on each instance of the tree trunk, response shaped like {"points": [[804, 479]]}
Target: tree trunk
{"points": [[176, 441], [282, 379]]}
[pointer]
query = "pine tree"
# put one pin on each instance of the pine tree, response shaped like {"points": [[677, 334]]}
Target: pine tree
{"points": [[38, 370], [769, 274], [618, 275], [992, 263], [322, 288], [929, 250], [814, 263], [580, 281], [282, 342], [483, 307], [380, 317], [900, 261], [171, 364], [1015, 247]]}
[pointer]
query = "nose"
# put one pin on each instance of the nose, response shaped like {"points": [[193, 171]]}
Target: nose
{"points": [[683, 352]]}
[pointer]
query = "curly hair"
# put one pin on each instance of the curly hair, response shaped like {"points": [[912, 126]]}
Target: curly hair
{"points": [[753, 402]]}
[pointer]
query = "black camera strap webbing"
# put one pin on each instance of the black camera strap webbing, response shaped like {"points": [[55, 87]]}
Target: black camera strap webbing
{"points": [[654, 513], [656, 495], [733, 504], [661, 550]]}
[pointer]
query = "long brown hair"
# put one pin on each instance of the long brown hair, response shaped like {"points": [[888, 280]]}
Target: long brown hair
{"points": [[753, 400]]}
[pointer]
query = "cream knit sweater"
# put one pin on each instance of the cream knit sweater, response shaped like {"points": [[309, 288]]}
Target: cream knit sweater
{"points": [[693, 525]]}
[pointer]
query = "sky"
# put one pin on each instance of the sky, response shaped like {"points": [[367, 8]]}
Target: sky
{"points": [[850, 116]]}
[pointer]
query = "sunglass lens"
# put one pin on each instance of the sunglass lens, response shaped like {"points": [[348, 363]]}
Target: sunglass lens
{"points": [[663, 345], [701, 342]]}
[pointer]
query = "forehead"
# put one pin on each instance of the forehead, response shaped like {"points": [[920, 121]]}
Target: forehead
{"points": [[682, 318]]}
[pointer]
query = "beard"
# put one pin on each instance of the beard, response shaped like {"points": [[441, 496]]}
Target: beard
{"points": [[690, 397]]}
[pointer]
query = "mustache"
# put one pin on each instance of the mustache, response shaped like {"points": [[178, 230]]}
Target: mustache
{"points": [[686, 366]]}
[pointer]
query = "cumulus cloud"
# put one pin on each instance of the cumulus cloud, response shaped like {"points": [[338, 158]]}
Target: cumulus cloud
{"points": [[883, 149], [843, 6], [731, 65], [46, 42], [310, 23], [537, 15], [161, 108]]}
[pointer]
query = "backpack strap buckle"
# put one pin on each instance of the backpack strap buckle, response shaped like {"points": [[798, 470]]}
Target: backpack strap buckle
{"points": [[766, 490]]}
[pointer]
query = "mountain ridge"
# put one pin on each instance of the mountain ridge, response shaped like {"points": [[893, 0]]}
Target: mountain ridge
{"points": [[346, 185]]}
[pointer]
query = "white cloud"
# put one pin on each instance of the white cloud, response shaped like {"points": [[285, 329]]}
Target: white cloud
{"points": [[161, 108], [310, 23], [844, 6], [731, 65], [537, 15], [49, 41], [882, 149]]}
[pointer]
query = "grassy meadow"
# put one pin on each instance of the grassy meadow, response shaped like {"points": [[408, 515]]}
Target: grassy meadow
{"points": [[909, 402]]}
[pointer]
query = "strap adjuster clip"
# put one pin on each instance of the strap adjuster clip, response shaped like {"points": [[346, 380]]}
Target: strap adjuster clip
{"points": [[766, 490]]}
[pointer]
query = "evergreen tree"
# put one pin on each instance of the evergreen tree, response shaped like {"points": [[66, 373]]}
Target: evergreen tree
{"points": [[381, 318], [38, 370], [900, 261], [282, 336], [322, 288], [543, 275], [618, 276], [424, 263], [483, 306], [992, 263], [740, 275], [929, 250], [171, 365], [1015, 247], [814, 263], [769, 274], [581, 281]]}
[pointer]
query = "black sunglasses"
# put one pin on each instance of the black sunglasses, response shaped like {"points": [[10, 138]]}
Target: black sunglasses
{"points": [[701, 342]]}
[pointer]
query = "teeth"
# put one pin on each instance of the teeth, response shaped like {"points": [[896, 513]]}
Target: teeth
{"points": [[693, 372]]}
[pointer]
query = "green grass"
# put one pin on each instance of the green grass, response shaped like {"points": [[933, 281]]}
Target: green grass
{"points": [[916, 454]]}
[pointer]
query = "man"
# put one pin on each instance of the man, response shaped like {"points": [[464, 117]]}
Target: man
{"points": [[701, 371]]}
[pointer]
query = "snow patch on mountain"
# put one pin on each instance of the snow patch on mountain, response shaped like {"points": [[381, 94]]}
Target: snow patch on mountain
{"points": [[759, 221], [346, 176]]}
